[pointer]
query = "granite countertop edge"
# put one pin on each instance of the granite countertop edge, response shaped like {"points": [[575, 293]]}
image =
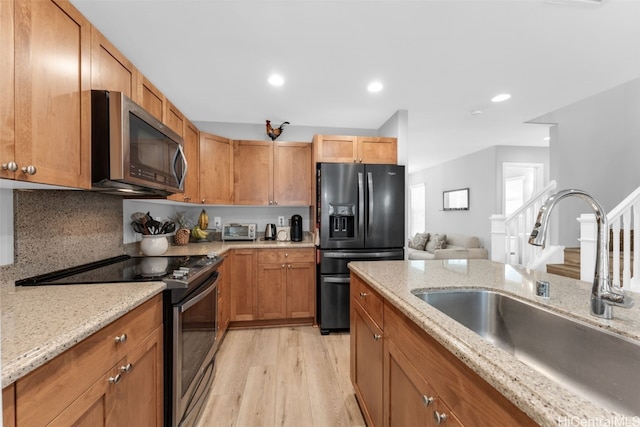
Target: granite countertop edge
{"points": [[543, 400]]}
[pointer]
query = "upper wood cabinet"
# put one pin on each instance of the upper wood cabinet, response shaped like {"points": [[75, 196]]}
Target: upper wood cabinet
{"points": [[216, 169], [174, 118], [52, 107], [355, 149], [270, 173], [110, 69], [374, 149], [192, 152], [7, 99], [150, 98]]}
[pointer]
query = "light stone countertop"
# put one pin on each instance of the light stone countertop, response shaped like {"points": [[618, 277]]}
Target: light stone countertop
{"points": [[544, 400], [40, 322]]}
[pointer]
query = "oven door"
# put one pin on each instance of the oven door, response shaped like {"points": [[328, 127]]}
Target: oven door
{"points": [[195, 327]]}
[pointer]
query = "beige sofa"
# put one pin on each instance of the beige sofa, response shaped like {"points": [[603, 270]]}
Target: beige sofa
{"points": [[457, 246]]}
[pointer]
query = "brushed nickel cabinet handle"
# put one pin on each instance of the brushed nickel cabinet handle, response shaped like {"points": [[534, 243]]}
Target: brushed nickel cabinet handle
{"points": [[427, 400], [11, 166], [439, 418], [363, 294], [115, 380], [30, 170], [121, 339], [377, 336], [126, 368]]}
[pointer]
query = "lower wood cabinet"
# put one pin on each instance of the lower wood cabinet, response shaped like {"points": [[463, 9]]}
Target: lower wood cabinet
{"points": [[407, 378], [224, 298], [101, 381], [272, 285]]}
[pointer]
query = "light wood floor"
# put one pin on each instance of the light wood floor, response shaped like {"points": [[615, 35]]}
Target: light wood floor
{"points": [[290, 376]]}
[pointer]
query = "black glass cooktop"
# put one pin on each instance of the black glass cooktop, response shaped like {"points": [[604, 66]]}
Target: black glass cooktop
{"points": [[118, 269]]}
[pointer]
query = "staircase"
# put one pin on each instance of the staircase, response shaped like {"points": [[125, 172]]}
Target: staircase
{"points": [[571, 266]]}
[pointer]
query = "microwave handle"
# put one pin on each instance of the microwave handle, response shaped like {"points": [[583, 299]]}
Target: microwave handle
{"points": [[180, 180]]}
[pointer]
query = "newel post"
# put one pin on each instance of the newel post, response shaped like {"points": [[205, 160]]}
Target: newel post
{"points": [[498, 238], [588, 239]]}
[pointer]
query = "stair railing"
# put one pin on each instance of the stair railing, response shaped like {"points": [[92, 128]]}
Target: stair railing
{"points": [[509, 236], [624, 265]]}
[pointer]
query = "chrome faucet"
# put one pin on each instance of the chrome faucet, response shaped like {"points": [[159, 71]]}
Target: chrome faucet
{"points": [[604, 295]]}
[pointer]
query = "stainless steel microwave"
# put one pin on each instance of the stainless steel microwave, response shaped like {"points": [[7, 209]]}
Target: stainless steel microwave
{"points": [[132, 151]]}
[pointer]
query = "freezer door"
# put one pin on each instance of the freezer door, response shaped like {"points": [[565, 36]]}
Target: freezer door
{"points": [[384, 217], [341, 195], [333, 304]]}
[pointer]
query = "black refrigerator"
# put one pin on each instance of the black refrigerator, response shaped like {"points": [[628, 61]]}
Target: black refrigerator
{"points": [[360, 214]]}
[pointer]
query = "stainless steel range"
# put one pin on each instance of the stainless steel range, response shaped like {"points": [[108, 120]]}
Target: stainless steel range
{"points": [[190, 319]]}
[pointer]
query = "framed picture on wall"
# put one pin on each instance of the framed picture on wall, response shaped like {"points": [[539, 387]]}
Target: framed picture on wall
{"points": [[455, 200]]}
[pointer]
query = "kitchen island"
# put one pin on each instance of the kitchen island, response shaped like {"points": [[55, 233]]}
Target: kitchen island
{"points": [[541, 399]]}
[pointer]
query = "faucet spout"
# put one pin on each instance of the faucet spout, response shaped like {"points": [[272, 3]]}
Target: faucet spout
{"points": [[604, 295]]}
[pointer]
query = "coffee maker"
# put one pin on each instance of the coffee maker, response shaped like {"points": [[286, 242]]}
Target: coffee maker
{"points": [[296, 228]]}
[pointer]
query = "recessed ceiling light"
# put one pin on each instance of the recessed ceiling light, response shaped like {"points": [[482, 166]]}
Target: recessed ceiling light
{"points": [[276, 80], [547, 138], [476, 112], [501, 97], [374, 87]]}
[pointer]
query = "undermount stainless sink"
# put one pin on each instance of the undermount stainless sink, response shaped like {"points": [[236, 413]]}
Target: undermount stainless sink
{"points": [[598, 365]]}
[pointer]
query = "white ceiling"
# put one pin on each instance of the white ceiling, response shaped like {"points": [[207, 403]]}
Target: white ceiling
{"points": [[439, 60]]}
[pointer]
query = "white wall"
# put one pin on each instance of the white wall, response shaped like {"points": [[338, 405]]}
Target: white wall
{"points": [[481, 172], [595, 147]]}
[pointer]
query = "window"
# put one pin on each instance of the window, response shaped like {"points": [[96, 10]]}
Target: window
{"points": [[417, 220]]}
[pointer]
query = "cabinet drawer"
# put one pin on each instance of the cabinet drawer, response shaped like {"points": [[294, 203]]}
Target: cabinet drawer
{"points": [[369, 299], [266, 256], [46, 391]]}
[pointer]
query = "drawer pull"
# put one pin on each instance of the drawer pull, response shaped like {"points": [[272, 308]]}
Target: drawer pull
{"points": [[427, 400], [115, 380], [282, 265], [439, 418], [121, 339], [126, 368], [363, 294], [286, 255], [289, 266], [377, 336]]}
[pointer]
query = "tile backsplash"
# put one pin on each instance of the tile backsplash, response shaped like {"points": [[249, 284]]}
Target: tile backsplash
{"points": [[56, 229]]}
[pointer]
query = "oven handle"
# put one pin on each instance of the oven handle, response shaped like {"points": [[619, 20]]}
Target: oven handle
{"points": [[199, 297]]}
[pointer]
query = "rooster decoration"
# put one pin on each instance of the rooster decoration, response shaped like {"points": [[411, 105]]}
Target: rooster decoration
{"points": [[274, 132]]}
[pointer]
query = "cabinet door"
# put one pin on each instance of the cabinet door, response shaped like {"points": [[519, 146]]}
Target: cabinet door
{"points": [[216, 169], [150, 98], [335, 148], [110, 69], [409, 399], [301, 290], [367, 364], [242, 269], [253, 173], [224, 300], [9, 406], [53, 109], [292, 174], [7, 141], [192, 153], [174, 119], [139, 393], [272, 291], [92, 408], [377, 150]]}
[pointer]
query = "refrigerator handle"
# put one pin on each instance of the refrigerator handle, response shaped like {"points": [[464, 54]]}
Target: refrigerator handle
{"points": [[361, 196], [370, 197]]}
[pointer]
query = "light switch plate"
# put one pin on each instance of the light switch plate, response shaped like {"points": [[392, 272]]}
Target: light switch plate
{"points": [[217, 222], [280, 221]]}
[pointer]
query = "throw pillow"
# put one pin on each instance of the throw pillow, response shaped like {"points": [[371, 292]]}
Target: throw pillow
{"points": [[437, 241], [419, 241]]}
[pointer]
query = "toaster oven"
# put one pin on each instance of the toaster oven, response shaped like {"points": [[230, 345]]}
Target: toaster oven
{"points": [[239, 232]]}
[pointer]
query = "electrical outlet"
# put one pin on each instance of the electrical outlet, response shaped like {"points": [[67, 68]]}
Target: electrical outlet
{"points": [[217, 222], [280, 221]]}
